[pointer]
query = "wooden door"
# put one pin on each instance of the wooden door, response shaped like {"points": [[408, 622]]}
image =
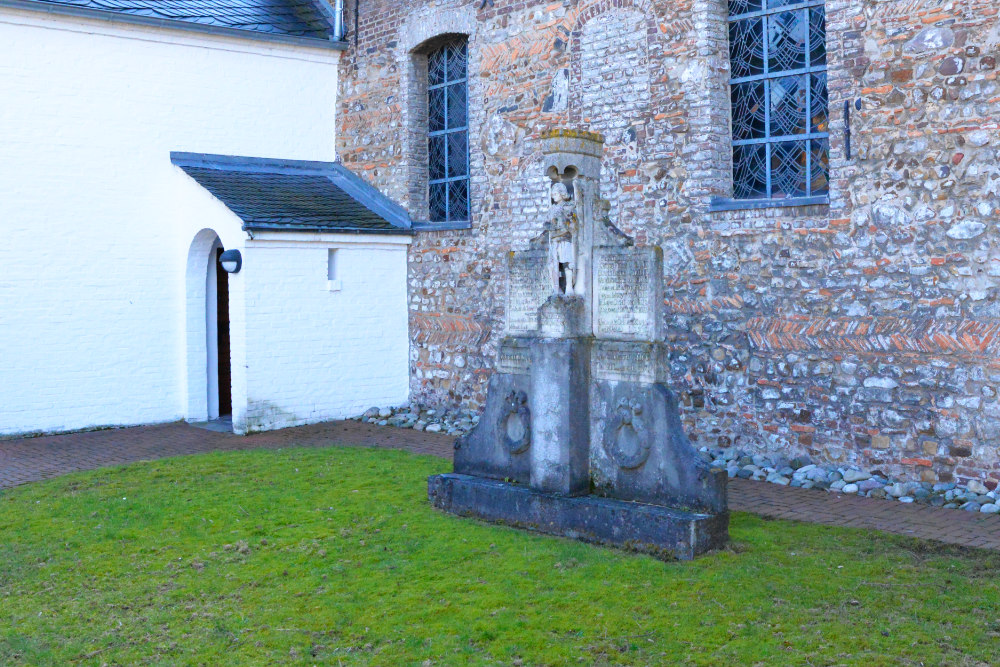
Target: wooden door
{"points": [[225, 365]]}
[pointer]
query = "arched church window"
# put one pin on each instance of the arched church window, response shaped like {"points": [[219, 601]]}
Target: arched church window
{"points": [[447, 132], [780, 119]]}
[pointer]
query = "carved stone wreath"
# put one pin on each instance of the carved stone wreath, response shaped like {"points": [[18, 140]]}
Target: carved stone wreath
{"points": [[626, 438], [514, 424]]}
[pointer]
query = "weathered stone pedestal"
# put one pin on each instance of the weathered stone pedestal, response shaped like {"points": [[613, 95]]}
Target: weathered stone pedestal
{"points": [[580, 435], [663, 532], [560, 401]]}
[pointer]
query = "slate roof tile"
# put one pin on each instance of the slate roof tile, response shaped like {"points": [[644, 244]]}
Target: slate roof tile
{"points": [[299, 18], [293, 195]]}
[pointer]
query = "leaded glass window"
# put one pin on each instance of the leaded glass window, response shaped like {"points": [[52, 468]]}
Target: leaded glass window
{"points": [[448, 135], [777, 53]]}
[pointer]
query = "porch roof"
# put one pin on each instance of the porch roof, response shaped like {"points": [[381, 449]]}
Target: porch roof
{"points": [[295, 195]]}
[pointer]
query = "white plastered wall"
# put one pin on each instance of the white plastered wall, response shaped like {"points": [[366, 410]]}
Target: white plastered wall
{"points": [[98, 225], [314, 353]]}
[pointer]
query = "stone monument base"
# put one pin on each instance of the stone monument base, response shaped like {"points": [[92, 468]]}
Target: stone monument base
{"points": [[663, 532]]}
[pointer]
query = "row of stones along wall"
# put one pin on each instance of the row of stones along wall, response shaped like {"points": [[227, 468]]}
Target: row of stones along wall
{"points": [[866, 331]]}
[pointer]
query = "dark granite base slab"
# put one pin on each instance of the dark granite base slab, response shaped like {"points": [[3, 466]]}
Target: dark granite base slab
{"points": [[663, 532]]}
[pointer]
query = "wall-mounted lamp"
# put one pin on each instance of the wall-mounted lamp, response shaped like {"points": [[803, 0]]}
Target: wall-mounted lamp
{"points": [[231, 261]]}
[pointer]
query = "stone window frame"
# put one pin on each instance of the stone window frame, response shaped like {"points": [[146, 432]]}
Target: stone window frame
{"points": [[716, 15], [422, 32]]}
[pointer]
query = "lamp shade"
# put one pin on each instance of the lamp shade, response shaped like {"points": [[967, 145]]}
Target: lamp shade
{"points": [[231, 261]]}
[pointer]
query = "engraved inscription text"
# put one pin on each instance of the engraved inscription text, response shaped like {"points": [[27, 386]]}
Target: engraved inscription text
{"points": [[527, 290], [623, 290]]}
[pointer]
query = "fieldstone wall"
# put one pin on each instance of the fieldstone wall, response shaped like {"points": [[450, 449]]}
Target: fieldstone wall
{"points": [[866, 331]]}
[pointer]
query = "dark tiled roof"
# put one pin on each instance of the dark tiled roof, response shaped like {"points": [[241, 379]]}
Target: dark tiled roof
{"points": [[297, 18], [294, 195]]}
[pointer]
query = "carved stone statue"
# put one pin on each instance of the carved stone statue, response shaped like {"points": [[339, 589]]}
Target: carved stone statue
{"points": [[563, 240]]}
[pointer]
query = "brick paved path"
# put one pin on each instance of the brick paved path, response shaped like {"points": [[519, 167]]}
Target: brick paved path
{"points": [[33, 459]]}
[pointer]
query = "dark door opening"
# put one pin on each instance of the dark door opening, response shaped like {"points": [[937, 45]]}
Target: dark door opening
{"points": [[222, 318]]}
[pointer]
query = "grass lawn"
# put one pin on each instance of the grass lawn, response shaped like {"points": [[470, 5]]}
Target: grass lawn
{"points": [[333, 556]]}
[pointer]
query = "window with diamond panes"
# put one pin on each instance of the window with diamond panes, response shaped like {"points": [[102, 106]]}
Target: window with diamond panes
{"points": [[448, 136], [777, 53]]}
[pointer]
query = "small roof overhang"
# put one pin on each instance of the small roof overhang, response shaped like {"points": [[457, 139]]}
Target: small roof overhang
{"points": [[295, 195]]}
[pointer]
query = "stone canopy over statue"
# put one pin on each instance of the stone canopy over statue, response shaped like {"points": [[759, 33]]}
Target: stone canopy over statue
{"points": [[580, 435]]}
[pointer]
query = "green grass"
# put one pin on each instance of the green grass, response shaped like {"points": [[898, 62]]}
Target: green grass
{"points": [[333, 556]]}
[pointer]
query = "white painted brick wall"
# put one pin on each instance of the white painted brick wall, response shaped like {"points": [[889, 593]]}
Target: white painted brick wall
{"points": [[313, 354], [95, 221]]}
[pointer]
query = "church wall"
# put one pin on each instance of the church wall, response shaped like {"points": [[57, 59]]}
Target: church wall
{"points": [[97, 222], [863, 331], [317, 350]]}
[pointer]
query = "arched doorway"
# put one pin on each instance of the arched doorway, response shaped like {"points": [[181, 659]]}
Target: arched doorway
{"points": [[223, 360], [209, 359]]}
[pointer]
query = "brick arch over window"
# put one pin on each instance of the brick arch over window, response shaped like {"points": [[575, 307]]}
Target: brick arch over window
{"points": [[612, 93], [617, 32], [423, 31], [604, 6]]}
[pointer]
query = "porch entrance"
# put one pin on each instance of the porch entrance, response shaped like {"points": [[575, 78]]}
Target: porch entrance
{"points": [[222, 337]]}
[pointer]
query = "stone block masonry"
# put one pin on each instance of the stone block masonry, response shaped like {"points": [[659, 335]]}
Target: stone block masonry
{"points": [[860, 332]]}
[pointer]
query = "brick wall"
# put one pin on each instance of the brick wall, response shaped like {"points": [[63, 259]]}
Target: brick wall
{"points": [[860, 331]]}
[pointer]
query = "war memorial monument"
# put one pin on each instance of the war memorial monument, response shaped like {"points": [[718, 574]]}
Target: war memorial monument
{"points": [[580, 435]]}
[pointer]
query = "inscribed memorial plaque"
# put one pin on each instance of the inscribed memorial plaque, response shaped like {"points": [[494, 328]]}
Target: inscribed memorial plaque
{"points": [[627, 361], [514, 357], [626, 290], [528, 286]]}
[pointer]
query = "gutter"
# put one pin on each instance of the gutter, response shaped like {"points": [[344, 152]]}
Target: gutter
{"points": [[171, 24], [329, 229]]}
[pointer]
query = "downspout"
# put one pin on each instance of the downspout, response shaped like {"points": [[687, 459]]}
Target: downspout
{"points": [[338, 20], [334, 17]]}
